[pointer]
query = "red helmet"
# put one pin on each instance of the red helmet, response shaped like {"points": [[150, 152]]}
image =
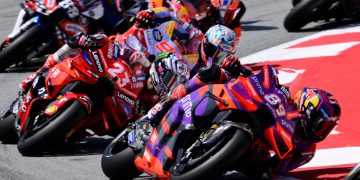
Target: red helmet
{"points": [[321, 112]]}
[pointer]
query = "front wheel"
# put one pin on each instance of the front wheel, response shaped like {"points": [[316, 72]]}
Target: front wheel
{"points": [[303, 13], [9, 133], [16, 51], [47, 131], [295, 2], [211, 163], [118, 158]]}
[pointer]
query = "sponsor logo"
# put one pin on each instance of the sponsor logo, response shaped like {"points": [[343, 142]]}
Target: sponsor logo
{"points": [[116, 51], [149, 40], [287, 125], [258, 85], [75, 28], [157, 35], [110, 52], [137, 85], [87, 58], [141, 77], [97, 62], [186, 105], [126, 98], [92, 73]]}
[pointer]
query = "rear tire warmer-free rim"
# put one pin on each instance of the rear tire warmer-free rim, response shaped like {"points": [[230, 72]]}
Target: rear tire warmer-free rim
{"points": [[231, 151], [15, 52], [52, 132]]}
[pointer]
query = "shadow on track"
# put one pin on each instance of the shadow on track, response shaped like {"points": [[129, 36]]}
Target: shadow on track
{"points": [[321, 26], [88, 146], [247, 26]]}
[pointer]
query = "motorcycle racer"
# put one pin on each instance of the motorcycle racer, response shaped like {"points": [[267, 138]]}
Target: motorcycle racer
{"points": [[319, 112], [218, 44], [205, 14]]}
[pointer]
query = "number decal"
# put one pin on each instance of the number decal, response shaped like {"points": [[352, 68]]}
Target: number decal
{"points": [[164, 47], [121, 82], [273, 99]]}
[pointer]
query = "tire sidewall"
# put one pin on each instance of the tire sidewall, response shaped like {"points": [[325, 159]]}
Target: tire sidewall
{"points": [[54, 131], [234, 148], [301, 14], [8, 130], [121, 164]]}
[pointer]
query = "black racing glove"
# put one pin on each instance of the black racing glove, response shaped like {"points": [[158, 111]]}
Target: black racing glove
{"points": [[85, 42]]}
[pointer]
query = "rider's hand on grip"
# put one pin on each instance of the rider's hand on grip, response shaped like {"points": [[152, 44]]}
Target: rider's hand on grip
{"points": [[85, 42], [144, 19], [231, 64]]}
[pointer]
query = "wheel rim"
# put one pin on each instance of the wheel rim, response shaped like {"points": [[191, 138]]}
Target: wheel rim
{"points": [[201, 155]]}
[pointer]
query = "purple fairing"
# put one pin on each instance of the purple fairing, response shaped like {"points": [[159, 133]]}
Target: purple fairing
{"points": [[185, 111]]}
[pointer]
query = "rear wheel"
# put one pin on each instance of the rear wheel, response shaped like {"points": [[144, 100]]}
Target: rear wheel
{"points": [[303, 13], [45, 132], [206, 164], [15, 51], [118, 160]]}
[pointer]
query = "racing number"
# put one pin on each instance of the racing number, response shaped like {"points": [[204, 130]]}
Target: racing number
{"points": [[121, 82], [275, 100], [163, 46]]}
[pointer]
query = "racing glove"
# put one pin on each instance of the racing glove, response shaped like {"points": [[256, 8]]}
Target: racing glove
{"points": [[144, 19], [87, 42], [232, 64]]}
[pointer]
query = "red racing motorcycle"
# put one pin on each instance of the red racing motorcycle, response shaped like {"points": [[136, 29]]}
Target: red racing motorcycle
{"points": [[86, 79], [91, 93]]}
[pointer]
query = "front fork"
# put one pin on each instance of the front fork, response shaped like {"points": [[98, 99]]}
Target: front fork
{"points": [[19, 20]]}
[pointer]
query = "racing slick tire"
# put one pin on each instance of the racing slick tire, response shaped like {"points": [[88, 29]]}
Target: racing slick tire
{"points": [[15, 51], [302, 14], [53, 131], [227, 151], [117, 161], [8, 131]]}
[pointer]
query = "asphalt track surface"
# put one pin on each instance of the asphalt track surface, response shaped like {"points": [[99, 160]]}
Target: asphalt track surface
{"points": [[262, 28]]}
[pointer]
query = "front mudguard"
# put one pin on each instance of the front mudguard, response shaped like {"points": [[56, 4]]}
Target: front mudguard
{"points": [[55, 106], [224, 128], [63, 100]]}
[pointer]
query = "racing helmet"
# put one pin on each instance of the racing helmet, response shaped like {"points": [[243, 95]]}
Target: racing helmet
{"points": [[218, 42], [321, 112], [167, 71]]}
